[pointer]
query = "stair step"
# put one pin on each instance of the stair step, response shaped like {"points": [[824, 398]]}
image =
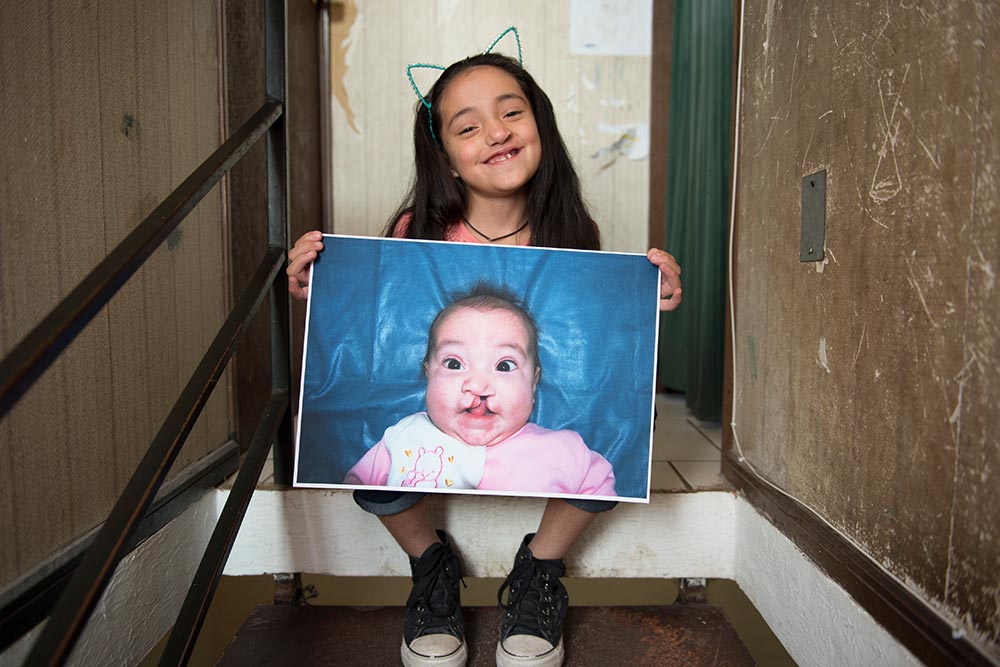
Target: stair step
{"points": [[686, 634]]}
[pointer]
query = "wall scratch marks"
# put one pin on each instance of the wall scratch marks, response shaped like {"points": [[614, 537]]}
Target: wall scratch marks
{"points": [[832, 31], [864, 332], [936, 163], [766, 137], [808, 146], [912, 279], [986, 267], [861, 202], [962, 378], [888, 186], [791, 84], [888, 20], [768, 22]]}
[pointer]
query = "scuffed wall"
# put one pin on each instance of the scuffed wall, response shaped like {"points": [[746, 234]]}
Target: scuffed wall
{"points": [[867, 384], [601, 103], [107, 107]]}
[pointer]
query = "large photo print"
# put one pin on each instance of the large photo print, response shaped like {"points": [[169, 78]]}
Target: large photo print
{"points": [[468, 368]]}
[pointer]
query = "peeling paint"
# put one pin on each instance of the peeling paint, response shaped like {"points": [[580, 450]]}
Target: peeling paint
{"points": [[632, 142], [571, 99], [340, 57], [823, 361]]}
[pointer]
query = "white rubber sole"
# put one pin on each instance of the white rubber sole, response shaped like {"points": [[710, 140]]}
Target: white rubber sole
{"points": [[553, 658], [457, 658]]}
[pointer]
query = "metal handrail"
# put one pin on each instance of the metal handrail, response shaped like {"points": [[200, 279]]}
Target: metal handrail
{"points": [[193, 611], [92, 576], [35, 353]]}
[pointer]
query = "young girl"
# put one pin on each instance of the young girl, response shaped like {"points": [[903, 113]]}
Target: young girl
{"points": [[482, 369], [491, 167]]}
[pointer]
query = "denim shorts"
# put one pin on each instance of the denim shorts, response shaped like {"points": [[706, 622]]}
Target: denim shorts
{"points": [[387, 503]]}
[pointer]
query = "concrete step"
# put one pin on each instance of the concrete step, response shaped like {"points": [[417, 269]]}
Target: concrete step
{"points": [[677, 535], [688, 635]]}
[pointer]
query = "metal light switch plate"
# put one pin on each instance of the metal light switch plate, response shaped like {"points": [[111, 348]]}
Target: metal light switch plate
{"points": [[813, 217]]}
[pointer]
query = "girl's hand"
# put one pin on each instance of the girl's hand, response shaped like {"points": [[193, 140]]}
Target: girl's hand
{"points": [[670, 278], [300, 257]]}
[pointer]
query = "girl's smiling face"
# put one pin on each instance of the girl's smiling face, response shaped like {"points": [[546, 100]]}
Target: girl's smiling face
{"points": [[488, 131], [481, 378]]}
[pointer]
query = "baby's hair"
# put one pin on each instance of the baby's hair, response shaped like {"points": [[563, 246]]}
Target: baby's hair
{"points": [[484, 296], [437, 199]]}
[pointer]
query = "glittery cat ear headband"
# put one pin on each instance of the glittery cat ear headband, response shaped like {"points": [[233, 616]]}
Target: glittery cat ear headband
{"points": [[423, 100]]}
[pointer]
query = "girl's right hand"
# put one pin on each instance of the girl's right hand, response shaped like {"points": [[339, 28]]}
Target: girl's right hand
{"points": [[300, 257]]}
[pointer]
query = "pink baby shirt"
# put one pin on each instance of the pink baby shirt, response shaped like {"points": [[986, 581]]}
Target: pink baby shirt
{"points": [[532, 460]]}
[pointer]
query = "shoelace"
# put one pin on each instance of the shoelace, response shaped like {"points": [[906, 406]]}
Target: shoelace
{"points": [[532, 584], [432, 586]]}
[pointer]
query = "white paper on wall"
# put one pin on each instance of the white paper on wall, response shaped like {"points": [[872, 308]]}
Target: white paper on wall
{"points": [[611, 27]]}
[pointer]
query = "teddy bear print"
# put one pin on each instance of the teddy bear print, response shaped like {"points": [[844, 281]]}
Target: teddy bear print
{"points": [[426, 468]]}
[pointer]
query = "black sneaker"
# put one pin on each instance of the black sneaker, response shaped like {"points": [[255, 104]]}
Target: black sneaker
{"points": [[433, 632], [532, 619]]}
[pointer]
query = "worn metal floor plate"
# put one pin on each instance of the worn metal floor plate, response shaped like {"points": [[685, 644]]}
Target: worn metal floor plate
{"points": [[678, 635]]}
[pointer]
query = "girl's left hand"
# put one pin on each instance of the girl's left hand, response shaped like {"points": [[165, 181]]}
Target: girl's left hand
{"points": [[670, 278]]}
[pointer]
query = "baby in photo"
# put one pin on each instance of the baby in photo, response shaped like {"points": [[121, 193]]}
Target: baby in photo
{"points": [[482, 370]]}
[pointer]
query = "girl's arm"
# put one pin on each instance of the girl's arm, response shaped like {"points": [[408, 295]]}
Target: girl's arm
{"points": [[300, 257], [670, 278]]}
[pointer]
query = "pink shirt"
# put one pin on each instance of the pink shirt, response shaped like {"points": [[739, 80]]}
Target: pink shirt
{"points": [[457, 232], [533, 460]]}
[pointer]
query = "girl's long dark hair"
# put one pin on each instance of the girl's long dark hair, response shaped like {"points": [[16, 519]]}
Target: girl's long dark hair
{"points": [[436, 200]]}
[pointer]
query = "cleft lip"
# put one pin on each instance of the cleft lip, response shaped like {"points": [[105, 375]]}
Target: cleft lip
{"points": [[476, 406]]}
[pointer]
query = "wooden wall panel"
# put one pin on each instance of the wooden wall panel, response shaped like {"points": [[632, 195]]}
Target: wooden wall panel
{"points": [[213, 303], [51, 168], [136, 144], [866, 384], [109, 106], [373, 104], [974, 580]]}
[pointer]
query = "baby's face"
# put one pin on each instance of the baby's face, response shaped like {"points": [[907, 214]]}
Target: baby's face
{"points": [[480, 379]]}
